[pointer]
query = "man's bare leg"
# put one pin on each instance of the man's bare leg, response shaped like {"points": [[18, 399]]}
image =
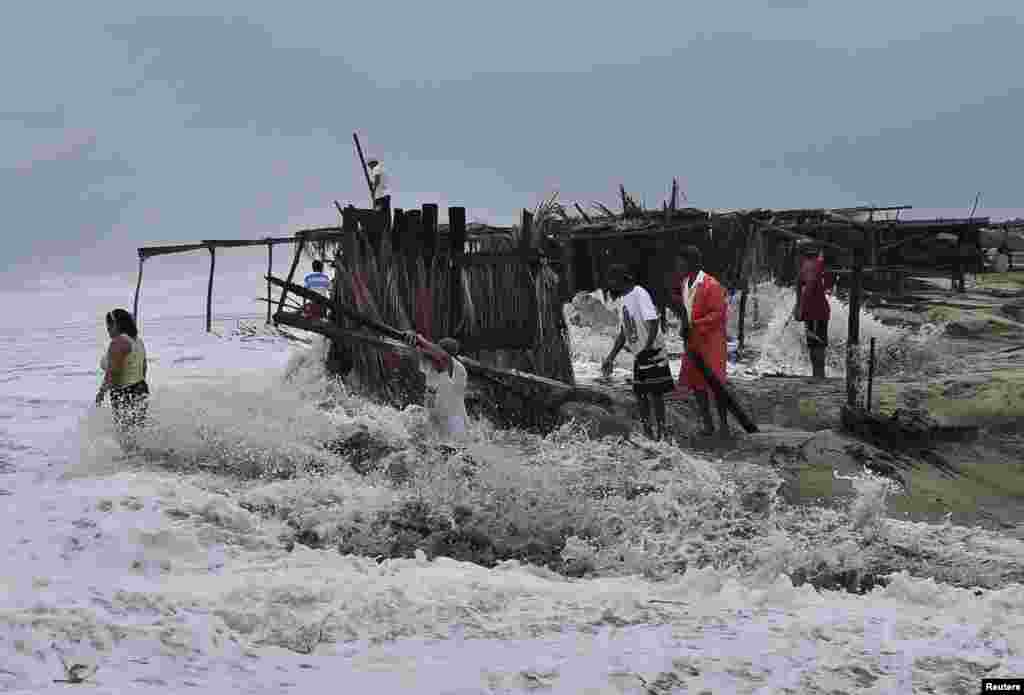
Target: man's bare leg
{"points": [[704, 406], [645, 415], [659, 414]]}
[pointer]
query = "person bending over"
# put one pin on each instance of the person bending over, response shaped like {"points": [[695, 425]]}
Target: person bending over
{"points": [[639, 332], [446, 384]]}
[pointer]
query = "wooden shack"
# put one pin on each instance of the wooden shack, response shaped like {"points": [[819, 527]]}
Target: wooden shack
{"points": [[491, 288]]}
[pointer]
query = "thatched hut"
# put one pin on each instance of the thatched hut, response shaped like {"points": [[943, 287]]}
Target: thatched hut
{"points": [[492, 288]]}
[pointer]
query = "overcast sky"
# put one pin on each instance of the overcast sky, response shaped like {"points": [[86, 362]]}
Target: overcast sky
{"points": [[120, 128]]}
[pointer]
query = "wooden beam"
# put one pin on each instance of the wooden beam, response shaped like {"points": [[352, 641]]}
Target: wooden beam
{"points": [[240, 243], [270, 271], [209, 289], [558, 391], [853, 332], [796, 236], [150, 251], [138, 287], [429, 213], [526, 230], [321, 233], [291, 272], [457, 242]]}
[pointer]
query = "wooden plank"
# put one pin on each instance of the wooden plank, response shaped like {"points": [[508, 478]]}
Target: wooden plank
{"points": [[853, 332], [457, 244], [526, 231], [429, 214], [321, 233], [240, 243], [723, 394], [138, 287], [291, 272], [270, 271], [559, 391], [150, 251], [209, 289]]}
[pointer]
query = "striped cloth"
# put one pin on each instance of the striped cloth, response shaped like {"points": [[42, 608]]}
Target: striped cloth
{"points": [[651, 373]]}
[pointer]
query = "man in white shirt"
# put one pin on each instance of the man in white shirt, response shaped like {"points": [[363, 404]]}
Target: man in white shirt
{"points": [[639, 332], [446, 384], [380, 185]]}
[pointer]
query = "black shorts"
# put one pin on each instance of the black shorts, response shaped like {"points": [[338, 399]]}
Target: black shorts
{"points": [[651, 373], [130, 404], [817, 333]]}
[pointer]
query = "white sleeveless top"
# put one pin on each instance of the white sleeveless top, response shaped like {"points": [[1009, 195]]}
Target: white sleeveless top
{"points": [[134, 364]]}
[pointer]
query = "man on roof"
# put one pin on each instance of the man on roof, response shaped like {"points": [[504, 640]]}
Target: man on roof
{"points": [[380, 186]]}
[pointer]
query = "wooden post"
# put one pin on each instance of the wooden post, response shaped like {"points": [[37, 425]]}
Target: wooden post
{"points": [[853, 329], [398, 232], [270, 271], [291, 272], [457, 241], [138, 287], [526, 230], [741, 337], [209, 288], [366, 172], [414, 229], [871, 375], [569, 258], [428, 217]]}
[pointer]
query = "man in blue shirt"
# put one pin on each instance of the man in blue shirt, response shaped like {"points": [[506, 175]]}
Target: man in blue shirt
{"points": [[319, 282]]}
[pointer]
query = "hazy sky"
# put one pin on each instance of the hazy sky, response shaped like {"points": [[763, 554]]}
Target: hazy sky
{"points": [[120, 127]]}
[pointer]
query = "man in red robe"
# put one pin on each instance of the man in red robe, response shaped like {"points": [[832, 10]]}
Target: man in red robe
{"points": [[812, 286], [701, 303]]}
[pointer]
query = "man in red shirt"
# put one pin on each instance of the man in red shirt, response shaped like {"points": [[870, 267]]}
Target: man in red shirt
{"points": [[812, 286], [700, 301]]}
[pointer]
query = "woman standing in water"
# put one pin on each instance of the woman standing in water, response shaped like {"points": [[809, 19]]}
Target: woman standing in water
{"points": [[124, 368]]}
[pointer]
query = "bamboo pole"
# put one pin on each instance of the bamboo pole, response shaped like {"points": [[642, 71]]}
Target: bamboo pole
{"points": [[457, 239], [366, 173], [871, 374], [270, 270], [209, 288], [138, 287], [291, 272], [853, 331]]}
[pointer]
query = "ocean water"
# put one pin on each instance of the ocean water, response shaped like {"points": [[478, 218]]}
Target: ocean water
{"points": [[161, 578]]}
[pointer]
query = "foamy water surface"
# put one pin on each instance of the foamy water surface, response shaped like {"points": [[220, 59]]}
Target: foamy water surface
{"points": [[156, 580]]}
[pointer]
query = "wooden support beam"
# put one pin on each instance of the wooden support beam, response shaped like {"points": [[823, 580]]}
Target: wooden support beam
{"points": [[853, 366], [549, 391], [321, 233], [526, 230], [291, 272], [270, 271], [138, 287], [457, 241], [209, 289], [242, 243], [569, 260], [399, 241], [150, 251], [429, 214]]}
